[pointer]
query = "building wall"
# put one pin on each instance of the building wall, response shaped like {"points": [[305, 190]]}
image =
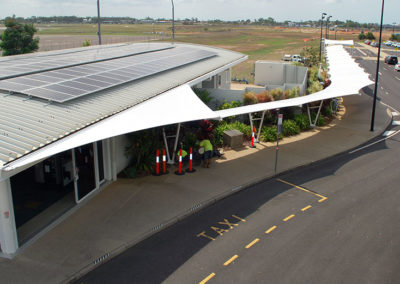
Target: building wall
{"points": [[121, 142], [269, 73]]}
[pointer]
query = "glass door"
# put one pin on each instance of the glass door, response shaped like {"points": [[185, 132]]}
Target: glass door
{"points": [[85, 171]]}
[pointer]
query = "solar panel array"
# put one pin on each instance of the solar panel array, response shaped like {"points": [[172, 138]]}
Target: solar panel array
{"points": [[23, 65], [73, 82]]}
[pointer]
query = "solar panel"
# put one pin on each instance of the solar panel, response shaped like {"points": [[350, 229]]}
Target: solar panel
{"points": [[23, 65], [72, 82]]}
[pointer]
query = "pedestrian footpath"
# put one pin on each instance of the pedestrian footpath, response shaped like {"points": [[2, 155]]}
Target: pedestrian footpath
{"points": [[130, 210]]}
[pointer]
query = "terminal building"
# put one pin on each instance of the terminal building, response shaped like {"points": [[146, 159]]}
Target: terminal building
{"points": [[64, 115]]}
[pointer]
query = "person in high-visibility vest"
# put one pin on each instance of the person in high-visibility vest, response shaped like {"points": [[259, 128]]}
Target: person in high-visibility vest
{"points": [[208, 150], [185, 157]]}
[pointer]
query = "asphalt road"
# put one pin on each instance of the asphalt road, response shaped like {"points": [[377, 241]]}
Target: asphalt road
{"points": [[336, 221]]}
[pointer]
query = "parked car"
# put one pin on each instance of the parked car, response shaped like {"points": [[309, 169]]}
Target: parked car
{"points": [[367, 42], [391, 59], [297, 58], [374, 44], [287, 57], [397, 67]]}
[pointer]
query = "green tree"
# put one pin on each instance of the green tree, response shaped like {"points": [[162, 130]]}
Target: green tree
{"points": [[18, 38], [370, 36], [361, 36]]}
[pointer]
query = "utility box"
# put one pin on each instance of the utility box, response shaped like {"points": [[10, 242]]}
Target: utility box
{"points": [[233, 138]]}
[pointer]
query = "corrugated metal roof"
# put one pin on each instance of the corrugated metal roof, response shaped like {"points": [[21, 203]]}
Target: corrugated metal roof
{"points": [[28, 124]]}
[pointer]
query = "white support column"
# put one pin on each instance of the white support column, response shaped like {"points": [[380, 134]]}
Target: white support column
{"points": [[8, 231], [113, 159], [314, 123], [171, 158], [252, 120]]}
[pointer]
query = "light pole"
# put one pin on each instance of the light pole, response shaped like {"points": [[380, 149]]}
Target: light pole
{"points": [[320, 39], [98, 22], [326, 29], [377, 70], [173, 21]]}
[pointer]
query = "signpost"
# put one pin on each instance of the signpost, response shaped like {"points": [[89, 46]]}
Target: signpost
{"points": [[278, 132]]}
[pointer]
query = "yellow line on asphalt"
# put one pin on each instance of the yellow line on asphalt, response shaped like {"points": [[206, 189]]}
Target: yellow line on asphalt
{"points": [[323, 198], [288, 218], [229, 261], [306, 208], [205, 280], [252, 243], [270, 229]]}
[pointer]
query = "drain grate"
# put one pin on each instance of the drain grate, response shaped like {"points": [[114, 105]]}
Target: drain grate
{"points": [[195, 207], [100, 259], [157, 227]]}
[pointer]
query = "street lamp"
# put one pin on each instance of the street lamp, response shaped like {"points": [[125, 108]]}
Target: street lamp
{"points": [[173, 21], [326, 29], [320, 39], [98, 22], [377, 70]]}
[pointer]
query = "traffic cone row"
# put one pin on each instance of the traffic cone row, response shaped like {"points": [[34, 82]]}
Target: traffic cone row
{"points": [[164, 163]]}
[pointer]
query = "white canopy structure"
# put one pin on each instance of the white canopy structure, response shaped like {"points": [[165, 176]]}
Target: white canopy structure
{"points": [[183, 105], [338, 42], [347, 79]]}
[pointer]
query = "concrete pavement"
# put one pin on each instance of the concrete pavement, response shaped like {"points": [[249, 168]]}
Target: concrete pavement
{"points": [[128, 211]]}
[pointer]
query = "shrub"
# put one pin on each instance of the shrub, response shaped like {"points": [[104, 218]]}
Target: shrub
{"points": [[86, 42], [277, 94], [314, 87], [327, 111], [294, 93], [264, 97], [203, 95], [249, 98], [302, 121], [227, 105], [290, 128], [268, 134], [321, 120]]}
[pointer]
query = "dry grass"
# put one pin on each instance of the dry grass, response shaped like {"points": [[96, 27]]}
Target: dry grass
{"points": [[258, 42]]}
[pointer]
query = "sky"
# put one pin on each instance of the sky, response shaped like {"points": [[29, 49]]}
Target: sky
{"points": [[364, 11]]}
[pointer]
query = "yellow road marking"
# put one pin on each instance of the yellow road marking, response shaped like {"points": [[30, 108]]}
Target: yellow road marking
{"points": [[229, 261], [288, 218], [323, 198], [252, 243], [205, 280], [270, 229], [306, 208]]}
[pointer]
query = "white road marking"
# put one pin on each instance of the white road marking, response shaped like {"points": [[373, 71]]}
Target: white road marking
{"points": [[387, 93], [397, 123], [388, 133], [384, 68], [395, 113], [397, 78], [376, 142]]}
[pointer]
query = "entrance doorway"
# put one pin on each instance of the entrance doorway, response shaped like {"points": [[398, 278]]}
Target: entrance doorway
{"points": [[47, 190], [89, 169]]}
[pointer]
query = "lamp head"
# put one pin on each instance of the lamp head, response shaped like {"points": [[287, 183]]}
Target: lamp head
{"points": [[323, 15]]}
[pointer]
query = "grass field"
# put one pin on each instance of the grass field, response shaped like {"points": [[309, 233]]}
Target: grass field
{"points": [[258, 42]]}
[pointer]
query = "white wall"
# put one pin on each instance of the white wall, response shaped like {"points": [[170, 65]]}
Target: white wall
{"points": [[269, 73], [121, 142]]}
